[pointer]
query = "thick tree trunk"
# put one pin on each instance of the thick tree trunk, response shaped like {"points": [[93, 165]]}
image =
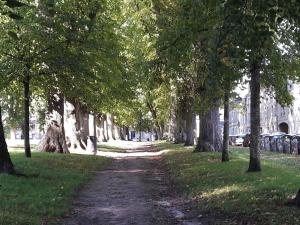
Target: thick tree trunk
{"points": [[54, 140], [209, 139], [179, 129], [225, 154], [82, 125], [77, 131], [26, 82], [127, 133], [102, 129], [95, 125], [189, 118], [158, 130], [6, 165], [254, 164], [122, 131], [172, 125], [109, 126], [105, 128]]}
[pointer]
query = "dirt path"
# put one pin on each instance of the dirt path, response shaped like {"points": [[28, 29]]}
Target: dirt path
{"points": [[132, 191]]}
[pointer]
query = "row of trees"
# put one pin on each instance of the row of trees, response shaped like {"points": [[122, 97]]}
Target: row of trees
{"points": [[204, 49], [68, 57], [152, 64]]}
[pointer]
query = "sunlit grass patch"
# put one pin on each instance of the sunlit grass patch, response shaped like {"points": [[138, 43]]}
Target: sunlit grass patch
{"points": [[46, 192], [109, 148], [226, 189]]}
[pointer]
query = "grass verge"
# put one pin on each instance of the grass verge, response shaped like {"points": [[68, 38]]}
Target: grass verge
{"points": [[46, 193], [231, 195], [109, 148]]}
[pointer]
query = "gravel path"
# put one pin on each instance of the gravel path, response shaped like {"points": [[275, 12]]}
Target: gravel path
{"points": [[132, 191]]}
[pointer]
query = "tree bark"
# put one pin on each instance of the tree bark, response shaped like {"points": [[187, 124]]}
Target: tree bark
{"points": [[209, 139], [26, 83], [54, 139], [127, 133], [225, 154], [254, 164], [109, 126], [6, 165], [179, 129], [189, 125], [103, 128], [158, 129], [82, 125]]}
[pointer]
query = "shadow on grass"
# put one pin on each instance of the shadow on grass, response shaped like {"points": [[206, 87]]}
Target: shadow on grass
{"points": [[226, 189], [46, 192]]}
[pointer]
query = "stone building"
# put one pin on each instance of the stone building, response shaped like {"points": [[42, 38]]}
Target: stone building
{"points": [[274, 118]]}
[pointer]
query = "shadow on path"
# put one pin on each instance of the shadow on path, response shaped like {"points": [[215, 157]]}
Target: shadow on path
{"points": [[132, 191]]}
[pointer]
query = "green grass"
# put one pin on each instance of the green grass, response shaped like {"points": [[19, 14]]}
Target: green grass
{"points": [[233, 196], [108, 148], [46, 194]]}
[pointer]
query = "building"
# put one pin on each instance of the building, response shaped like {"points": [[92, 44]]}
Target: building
{"points": [[274, 117]]}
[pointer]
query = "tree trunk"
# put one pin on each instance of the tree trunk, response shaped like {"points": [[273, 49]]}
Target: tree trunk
{"points": [[254, 164], [127, 133], [95, 125], [26, 83], [225, 154], [179, 127], [172, 125], [54, 139], [158, 130], [103, 128], [209, 139], [82, 125], [6, 165], [77, 131], [109, 126], [189, 118]]}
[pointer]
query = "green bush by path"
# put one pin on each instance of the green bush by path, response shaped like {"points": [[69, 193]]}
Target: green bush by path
{"points": [[46, 193], [226, 191]]}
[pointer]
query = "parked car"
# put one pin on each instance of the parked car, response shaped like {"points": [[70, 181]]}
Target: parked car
{"points": [[240, 139], [232, 139], [246, 142]]}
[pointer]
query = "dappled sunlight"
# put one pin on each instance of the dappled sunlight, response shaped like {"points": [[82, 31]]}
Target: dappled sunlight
{"points": [[227, 187], [132, 154], [224, 191], [125, 149]]}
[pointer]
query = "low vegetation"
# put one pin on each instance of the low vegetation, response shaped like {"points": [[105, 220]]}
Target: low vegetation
{"points": [[45, 193], [230, 194], [109, 148]]}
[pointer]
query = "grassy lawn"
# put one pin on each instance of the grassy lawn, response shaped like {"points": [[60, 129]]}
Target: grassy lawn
{"points": [[109, 148], [233, 196], [46, 193]]}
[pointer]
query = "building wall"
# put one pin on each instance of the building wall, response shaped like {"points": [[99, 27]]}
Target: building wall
{"points": [[273, 116]]}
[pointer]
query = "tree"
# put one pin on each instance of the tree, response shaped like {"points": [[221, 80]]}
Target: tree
{"points": [[6, 165], [261, 31]]}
